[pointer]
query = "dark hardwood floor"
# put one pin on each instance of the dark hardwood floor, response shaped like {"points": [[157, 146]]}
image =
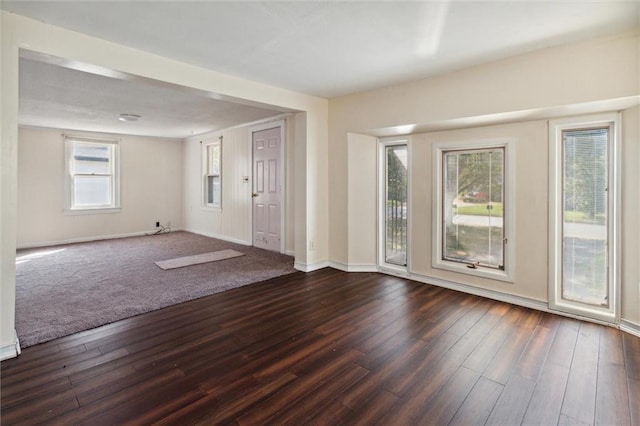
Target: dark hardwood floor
{"points": [[331, 348]]}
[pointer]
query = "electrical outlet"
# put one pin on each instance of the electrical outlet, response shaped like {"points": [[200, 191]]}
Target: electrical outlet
{"points": [[157, 224], [312, 245]]}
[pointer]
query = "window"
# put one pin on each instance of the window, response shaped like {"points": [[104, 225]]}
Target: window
{"points": [[212, 169], [472, 207], [473, 210], [584, 202], [583, 217], [92, 172], [395, 204]]}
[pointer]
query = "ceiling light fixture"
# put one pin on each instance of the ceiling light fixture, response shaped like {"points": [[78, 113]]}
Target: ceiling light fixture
{"points": [[129, 117]]}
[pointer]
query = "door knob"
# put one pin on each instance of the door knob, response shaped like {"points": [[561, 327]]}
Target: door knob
{"points": [[254, 195]]}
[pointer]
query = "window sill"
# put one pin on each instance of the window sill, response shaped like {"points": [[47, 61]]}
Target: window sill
{"points": [[107, 210], [480, 271]]}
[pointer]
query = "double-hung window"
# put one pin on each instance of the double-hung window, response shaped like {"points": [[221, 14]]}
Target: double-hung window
{"points": [[92, 175], [473, 209], [212, 174]]}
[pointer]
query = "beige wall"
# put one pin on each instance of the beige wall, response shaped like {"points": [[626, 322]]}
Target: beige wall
{"points": [[530, 144], [362, 207], [562, 80], [8, 190], [515, 96], [301, 233], [531, 207], [151, 189], [630, 227], [233, 221]]}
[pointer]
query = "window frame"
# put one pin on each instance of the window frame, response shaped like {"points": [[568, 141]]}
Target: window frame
{"points": [[438, 260], [383, 144], [114, 150], [206, 174], [613, 121]]}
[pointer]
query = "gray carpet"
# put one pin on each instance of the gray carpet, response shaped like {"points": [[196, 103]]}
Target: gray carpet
{"points": [[62, 290]]}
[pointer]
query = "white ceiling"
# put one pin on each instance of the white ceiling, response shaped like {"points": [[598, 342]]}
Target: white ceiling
{"points": [[328, 49], [54, 95]]}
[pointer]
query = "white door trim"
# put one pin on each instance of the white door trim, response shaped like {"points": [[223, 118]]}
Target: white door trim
{"points": [[281, 176], [612, 314]]}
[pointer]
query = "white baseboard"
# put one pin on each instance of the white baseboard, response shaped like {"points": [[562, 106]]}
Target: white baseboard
{"points": [[219, 237], [399, 272], [353, 268], [483, 292], [87, 239], [630, 327], [526, 302], [291, 253], [10, 350], [310, 267]]}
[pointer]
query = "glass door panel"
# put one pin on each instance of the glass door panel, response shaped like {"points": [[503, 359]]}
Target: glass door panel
{"points": [[395, 205], [585, 278]]}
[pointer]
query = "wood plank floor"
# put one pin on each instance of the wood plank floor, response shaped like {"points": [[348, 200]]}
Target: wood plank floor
{"points": [[331, 348]]}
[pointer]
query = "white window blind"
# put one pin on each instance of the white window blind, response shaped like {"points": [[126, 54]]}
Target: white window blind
{"points": [[584, 227]]}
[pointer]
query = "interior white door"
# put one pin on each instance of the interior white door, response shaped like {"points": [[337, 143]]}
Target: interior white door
{"points": [[267, 189]]}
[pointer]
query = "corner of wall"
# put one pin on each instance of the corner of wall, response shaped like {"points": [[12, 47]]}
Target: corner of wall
{"points": [[11, 349]]}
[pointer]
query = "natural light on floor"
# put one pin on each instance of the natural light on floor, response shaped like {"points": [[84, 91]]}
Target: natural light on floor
{"points": [[37, 255]]}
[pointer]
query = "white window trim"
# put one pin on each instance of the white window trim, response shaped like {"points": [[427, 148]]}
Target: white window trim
{"points": [[508, 144], [115, 207], [383, 265], [204, 174], [613, 121]]}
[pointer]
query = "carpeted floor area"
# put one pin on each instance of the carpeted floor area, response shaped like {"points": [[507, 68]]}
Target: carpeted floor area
{"points": [[65, 289]]}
